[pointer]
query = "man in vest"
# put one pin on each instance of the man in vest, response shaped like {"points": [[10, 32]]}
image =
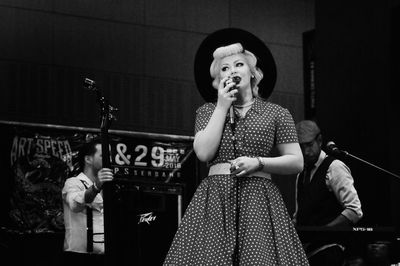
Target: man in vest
{"points": [[325, 195]]}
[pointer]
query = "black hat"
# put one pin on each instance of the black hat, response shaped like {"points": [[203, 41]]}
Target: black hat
{"points": [[224, 37]]}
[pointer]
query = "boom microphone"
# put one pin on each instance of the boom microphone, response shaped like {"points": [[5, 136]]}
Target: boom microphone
{"points": [[333, 150]]}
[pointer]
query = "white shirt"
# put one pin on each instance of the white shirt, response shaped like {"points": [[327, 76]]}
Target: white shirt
{"points": [[74, 205]]}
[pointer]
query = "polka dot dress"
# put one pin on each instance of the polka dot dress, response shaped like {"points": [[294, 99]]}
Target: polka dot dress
{"points": [[266, 236]]}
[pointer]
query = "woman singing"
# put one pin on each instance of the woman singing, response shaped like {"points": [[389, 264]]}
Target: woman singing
{"points": [[237, 215]]}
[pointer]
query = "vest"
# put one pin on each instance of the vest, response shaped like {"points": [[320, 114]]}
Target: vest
{"points": [[317, 205]]}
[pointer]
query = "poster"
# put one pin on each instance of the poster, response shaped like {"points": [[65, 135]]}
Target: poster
{"points": [[39, 159]]}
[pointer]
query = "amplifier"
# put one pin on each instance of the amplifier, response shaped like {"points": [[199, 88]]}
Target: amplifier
{"points": [[140, 221]]}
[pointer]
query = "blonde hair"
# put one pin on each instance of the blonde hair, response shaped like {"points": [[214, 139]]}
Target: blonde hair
{"points": [[233, 49]]}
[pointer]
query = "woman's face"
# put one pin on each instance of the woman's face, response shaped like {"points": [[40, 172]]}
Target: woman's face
{"points": [[236, 65]]}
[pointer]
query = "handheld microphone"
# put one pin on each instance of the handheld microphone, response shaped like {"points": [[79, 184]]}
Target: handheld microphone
{"points": [[231, 116], [333, 150], [236, 80]]}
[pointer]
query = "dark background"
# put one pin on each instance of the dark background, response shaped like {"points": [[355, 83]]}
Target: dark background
{"points": [[141, 54], [357, 81]]}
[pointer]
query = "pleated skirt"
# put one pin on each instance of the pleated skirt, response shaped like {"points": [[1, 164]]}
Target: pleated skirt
{"points": [[236, 221]]}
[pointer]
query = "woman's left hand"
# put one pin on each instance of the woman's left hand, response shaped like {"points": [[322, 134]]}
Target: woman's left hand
{"points": [[243, 166]]}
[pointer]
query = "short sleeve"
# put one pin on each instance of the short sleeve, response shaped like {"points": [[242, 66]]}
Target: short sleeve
{"points": [[203, 115], [285, 128]]}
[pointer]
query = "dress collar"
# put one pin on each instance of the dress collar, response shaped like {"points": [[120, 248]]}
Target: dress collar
{"points": [[259, 105]]}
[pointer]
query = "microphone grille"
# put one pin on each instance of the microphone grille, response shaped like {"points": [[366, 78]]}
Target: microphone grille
{"points": [[236, 79], [330, 143]]}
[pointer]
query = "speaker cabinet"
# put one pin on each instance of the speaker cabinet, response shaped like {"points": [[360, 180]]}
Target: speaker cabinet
{"points": [[140, 221]]}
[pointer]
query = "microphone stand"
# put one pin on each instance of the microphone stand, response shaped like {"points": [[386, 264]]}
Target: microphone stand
{"points": [[347, 154], [232, 123], [235, 255], [336, 153]]}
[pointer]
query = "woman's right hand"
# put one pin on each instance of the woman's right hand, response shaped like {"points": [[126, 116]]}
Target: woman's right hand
{"points": [[226, 93]]}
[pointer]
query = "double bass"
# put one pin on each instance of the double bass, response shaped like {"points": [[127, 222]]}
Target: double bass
{"points": [[107, 115]]}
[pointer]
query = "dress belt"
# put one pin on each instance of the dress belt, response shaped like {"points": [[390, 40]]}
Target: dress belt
{"points": [[224, 169]]}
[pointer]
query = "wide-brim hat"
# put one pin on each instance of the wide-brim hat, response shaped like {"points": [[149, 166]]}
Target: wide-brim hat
{"points": [[224, 37]]}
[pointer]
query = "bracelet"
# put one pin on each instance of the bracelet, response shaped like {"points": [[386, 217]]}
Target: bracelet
{"points": [[96, 189], [260, 164]]}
